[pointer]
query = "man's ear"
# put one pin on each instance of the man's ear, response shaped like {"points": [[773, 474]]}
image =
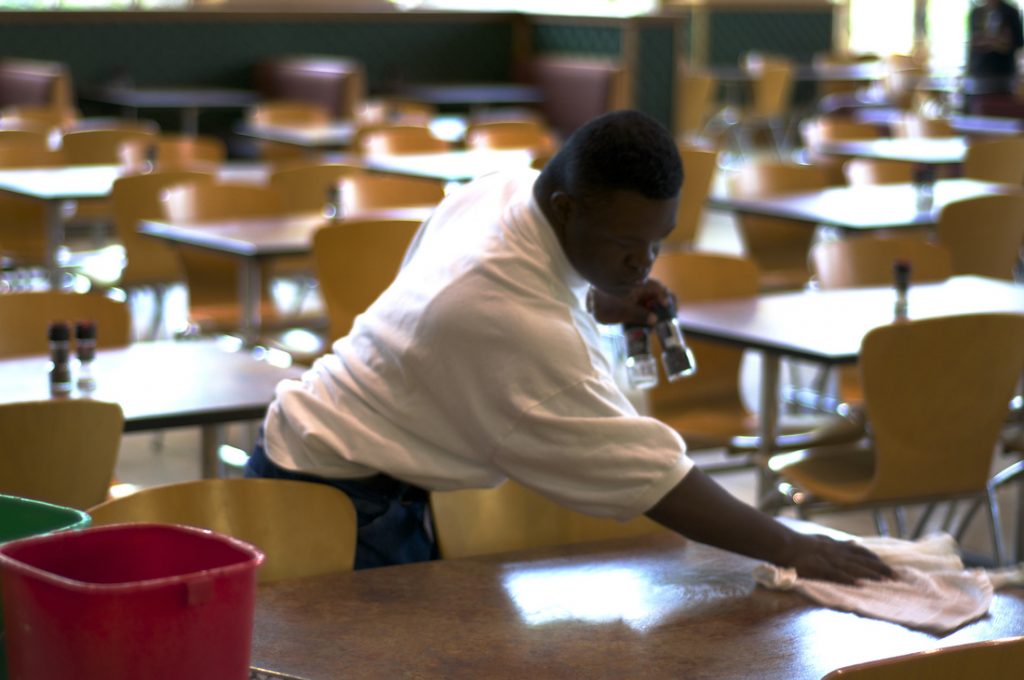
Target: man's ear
{"points": [[562, 206]]}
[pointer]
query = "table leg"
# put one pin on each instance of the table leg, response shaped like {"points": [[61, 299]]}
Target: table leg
{"points": [[250, 289], [211, 437], [54, 240], [190, 121], [768, 430]]}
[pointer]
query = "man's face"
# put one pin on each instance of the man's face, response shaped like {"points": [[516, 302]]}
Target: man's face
{"points": [[612, 240]]}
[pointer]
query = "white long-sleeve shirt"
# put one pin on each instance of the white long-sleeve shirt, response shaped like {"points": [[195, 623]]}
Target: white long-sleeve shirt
{"points": [[479, 363]]}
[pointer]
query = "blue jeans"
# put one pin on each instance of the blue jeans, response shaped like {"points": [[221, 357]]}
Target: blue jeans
{"points": [[392, 515]]}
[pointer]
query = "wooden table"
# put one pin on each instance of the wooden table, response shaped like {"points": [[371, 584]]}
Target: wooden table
{"points": [[341, 133], [205, 383], [190, 100], [254, 240], [827, 327], [968, 125], [450, 166], [475, 94], [863, 208], [57, 186], [918, 150], [650, 607]]}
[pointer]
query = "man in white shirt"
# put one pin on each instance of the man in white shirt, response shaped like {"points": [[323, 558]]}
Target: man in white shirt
{"points": [[481, 362]]}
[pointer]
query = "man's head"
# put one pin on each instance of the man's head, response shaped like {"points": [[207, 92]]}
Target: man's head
{"points": [[611, 194]]}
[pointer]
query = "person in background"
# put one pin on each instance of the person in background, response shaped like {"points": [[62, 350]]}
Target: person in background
{"points": [[994, 36], [482, 362]]}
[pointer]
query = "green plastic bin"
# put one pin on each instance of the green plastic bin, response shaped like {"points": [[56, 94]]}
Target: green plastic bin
{"points": [[21, 518]]}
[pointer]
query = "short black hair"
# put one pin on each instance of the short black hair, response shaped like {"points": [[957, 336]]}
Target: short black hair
{"points": [[618, 150]]}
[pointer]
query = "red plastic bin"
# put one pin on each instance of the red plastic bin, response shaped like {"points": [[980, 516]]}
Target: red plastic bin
{"points": [[147, 601]]}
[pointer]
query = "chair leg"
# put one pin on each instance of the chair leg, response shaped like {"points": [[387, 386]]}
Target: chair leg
{"points": [[947, 521], [922, 522], [881, 525], [901, 521], [997, 532]]}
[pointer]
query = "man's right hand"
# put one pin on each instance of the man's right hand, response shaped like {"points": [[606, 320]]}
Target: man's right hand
{"points": [[823, 558]]}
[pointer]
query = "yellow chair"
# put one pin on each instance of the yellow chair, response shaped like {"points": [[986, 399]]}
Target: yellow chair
{"points": [[355, 262], [23, 220], [815, 131], [177, 152], [868, 261], [212, 278], [989, 659], [771, 92], [983, 234], [149, 262], [935, 394], [363, 192], [699, 166], [25, 318], [286, 113], [304, 528], [863, 171], [778, 246], [996, 160], [385, 110], [39, 117], [398, 139], [304, 188], [512, 134], [512, 517], [87, 147], [695, 91], [60, 451], [706, 408]]}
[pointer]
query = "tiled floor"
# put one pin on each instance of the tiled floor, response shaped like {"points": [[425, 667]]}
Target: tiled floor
{"points": [[173, 456]]}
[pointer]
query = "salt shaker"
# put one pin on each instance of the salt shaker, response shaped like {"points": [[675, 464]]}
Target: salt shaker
{"points": [[85, 347], [641, 368], [924, 187], [676, 357], [901, 282], [60, 356]]}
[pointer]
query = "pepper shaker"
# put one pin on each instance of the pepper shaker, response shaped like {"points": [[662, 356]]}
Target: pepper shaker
{"points": [[60, 356], [85, 347]]}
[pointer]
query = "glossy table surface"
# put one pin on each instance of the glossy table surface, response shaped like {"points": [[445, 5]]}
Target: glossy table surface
{"points": [[265, 236], [164, 384], [174, 97], [829, 325], [473, 94], [649, 607], [862, 208], [921, 150]]}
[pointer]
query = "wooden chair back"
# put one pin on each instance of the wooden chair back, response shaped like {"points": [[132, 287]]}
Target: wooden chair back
{"points": [[529, 134], [22, 219], [363, 192], [212, 278], [398, 139], [304, 188], [989, 659], [512, 517], [287, 113], [304, 528], [699, 166], [915, 125], [148, 261], [25, 318], [698, 277], [771, 85], [86, 147], [695, 92], [983, 234], [385, 110], [38, 117], [177, 153], [777, 246], [862, 171], [935, 393], [996, 160], [60, 451], [868, 261], [355, 262]]}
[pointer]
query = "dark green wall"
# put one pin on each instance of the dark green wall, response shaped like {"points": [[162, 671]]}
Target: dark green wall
{"points": [[182, 50], [795, 33]]}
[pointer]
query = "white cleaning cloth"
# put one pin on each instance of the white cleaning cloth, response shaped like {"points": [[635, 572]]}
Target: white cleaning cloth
{"points": [[931, 591]]}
